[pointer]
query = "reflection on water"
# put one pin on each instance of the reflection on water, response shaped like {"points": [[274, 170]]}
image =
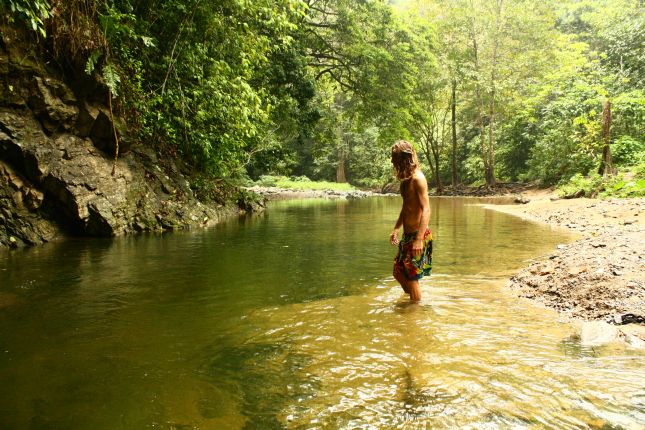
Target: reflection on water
{"points": [[291, 319]]}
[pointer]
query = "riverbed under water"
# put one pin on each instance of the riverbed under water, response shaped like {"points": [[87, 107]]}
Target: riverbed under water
{"points": [[291, 319]]}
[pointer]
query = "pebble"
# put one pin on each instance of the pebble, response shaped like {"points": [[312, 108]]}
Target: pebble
{"points": [[578, 270]]}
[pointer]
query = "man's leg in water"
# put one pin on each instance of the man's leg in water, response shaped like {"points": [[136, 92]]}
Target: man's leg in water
{"points": [[399, 276], [409, 286], [414, 290]]}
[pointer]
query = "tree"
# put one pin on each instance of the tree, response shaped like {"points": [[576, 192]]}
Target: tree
{"points": [[366, 56], [510, 45]]}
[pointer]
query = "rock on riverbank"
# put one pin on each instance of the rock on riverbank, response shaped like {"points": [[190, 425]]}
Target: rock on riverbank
{"points": [[274, 193], [57, 170], [598, 277]]}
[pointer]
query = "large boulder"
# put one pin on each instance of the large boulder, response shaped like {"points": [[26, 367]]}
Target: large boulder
{"points": [[53, 103], [87, 115], [21, 217], [86, 190], [106, 130]]}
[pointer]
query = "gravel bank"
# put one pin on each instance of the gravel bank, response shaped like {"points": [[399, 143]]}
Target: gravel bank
{"points": [[598, 277]]}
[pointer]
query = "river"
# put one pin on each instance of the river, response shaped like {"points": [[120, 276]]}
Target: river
{"points": [[291, 319]]}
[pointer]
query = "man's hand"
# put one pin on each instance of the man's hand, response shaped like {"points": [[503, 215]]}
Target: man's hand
{"points": [[394, 237], [417, 247]]}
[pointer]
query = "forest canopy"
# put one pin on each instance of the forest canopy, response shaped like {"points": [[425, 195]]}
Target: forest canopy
{"points": [[487, 90]]}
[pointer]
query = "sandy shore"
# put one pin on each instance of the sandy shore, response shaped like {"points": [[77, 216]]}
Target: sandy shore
{"points": [[601, 276]]}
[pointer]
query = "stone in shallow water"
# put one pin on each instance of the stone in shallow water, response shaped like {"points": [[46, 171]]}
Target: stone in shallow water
{"points": [[634, 341], [597, 333]]}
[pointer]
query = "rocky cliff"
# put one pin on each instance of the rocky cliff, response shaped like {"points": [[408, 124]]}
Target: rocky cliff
{"points": [[57, 171]]}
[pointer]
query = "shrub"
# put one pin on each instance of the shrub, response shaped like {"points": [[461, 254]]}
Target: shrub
{"points": [[32, 12], [211, 190], [299, 179], [369, 183], [628, 151], [268, 180], [248, 200], [627, 183], [588, 185]]}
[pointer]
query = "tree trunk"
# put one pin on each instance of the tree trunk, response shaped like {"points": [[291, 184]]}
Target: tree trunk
{"points": [[482, 134], [340, 169], [427, 151], [431, 164], [490, 171], [490, 153], [431, 152], [480, 106], [435, 153], [607, 164], [454, 132]]}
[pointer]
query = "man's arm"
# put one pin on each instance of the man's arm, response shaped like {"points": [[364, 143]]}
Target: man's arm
{"points": [[394, 236], [421, 189]]}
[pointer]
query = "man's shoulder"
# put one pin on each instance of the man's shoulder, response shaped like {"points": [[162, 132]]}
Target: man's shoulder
{"points": [[419, 178]]}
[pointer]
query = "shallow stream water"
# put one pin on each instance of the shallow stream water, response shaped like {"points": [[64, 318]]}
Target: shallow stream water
{"points": [[291, 319]]}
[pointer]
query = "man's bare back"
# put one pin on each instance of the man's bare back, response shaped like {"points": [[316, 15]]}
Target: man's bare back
{"points": [[415, 198]]}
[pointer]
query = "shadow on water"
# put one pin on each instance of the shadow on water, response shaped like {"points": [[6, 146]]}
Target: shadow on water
{"points": [[572, 347], [266, 376], [422, 402]]}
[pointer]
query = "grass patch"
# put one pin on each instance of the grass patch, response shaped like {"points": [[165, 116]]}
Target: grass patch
{"points": [[301, 183]]}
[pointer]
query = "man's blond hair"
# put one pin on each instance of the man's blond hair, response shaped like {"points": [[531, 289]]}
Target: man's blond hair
{"points": [[405, 159]]}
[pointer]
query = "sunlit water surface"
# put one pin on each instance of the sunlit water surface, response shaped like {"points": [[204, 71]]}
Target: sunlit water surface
{"points": [[291, 319]]}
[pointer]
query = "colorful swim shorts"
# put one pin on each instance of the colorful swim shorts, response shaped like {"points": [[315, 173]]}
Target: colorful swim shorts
{"points": [[414, 267]]}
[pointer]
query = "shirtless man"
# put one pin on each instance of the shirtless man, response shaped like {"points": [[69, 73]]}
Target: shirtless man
{"points": [[414, 259]]}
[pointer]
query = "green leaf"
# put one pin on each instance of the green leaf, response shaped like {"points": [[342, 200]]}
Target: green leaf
{"points": [[148, 41], [111, 79], [92, 60], [619, 185]]}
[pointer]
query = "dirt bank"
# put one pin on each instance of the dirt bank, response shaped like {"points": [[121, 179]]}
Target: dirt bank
{"points": [[598, 277]]}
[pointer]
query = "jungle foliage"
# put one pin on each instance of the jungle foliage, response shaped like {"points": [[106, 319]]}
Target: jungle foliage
{"points": [[488, 90]]}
